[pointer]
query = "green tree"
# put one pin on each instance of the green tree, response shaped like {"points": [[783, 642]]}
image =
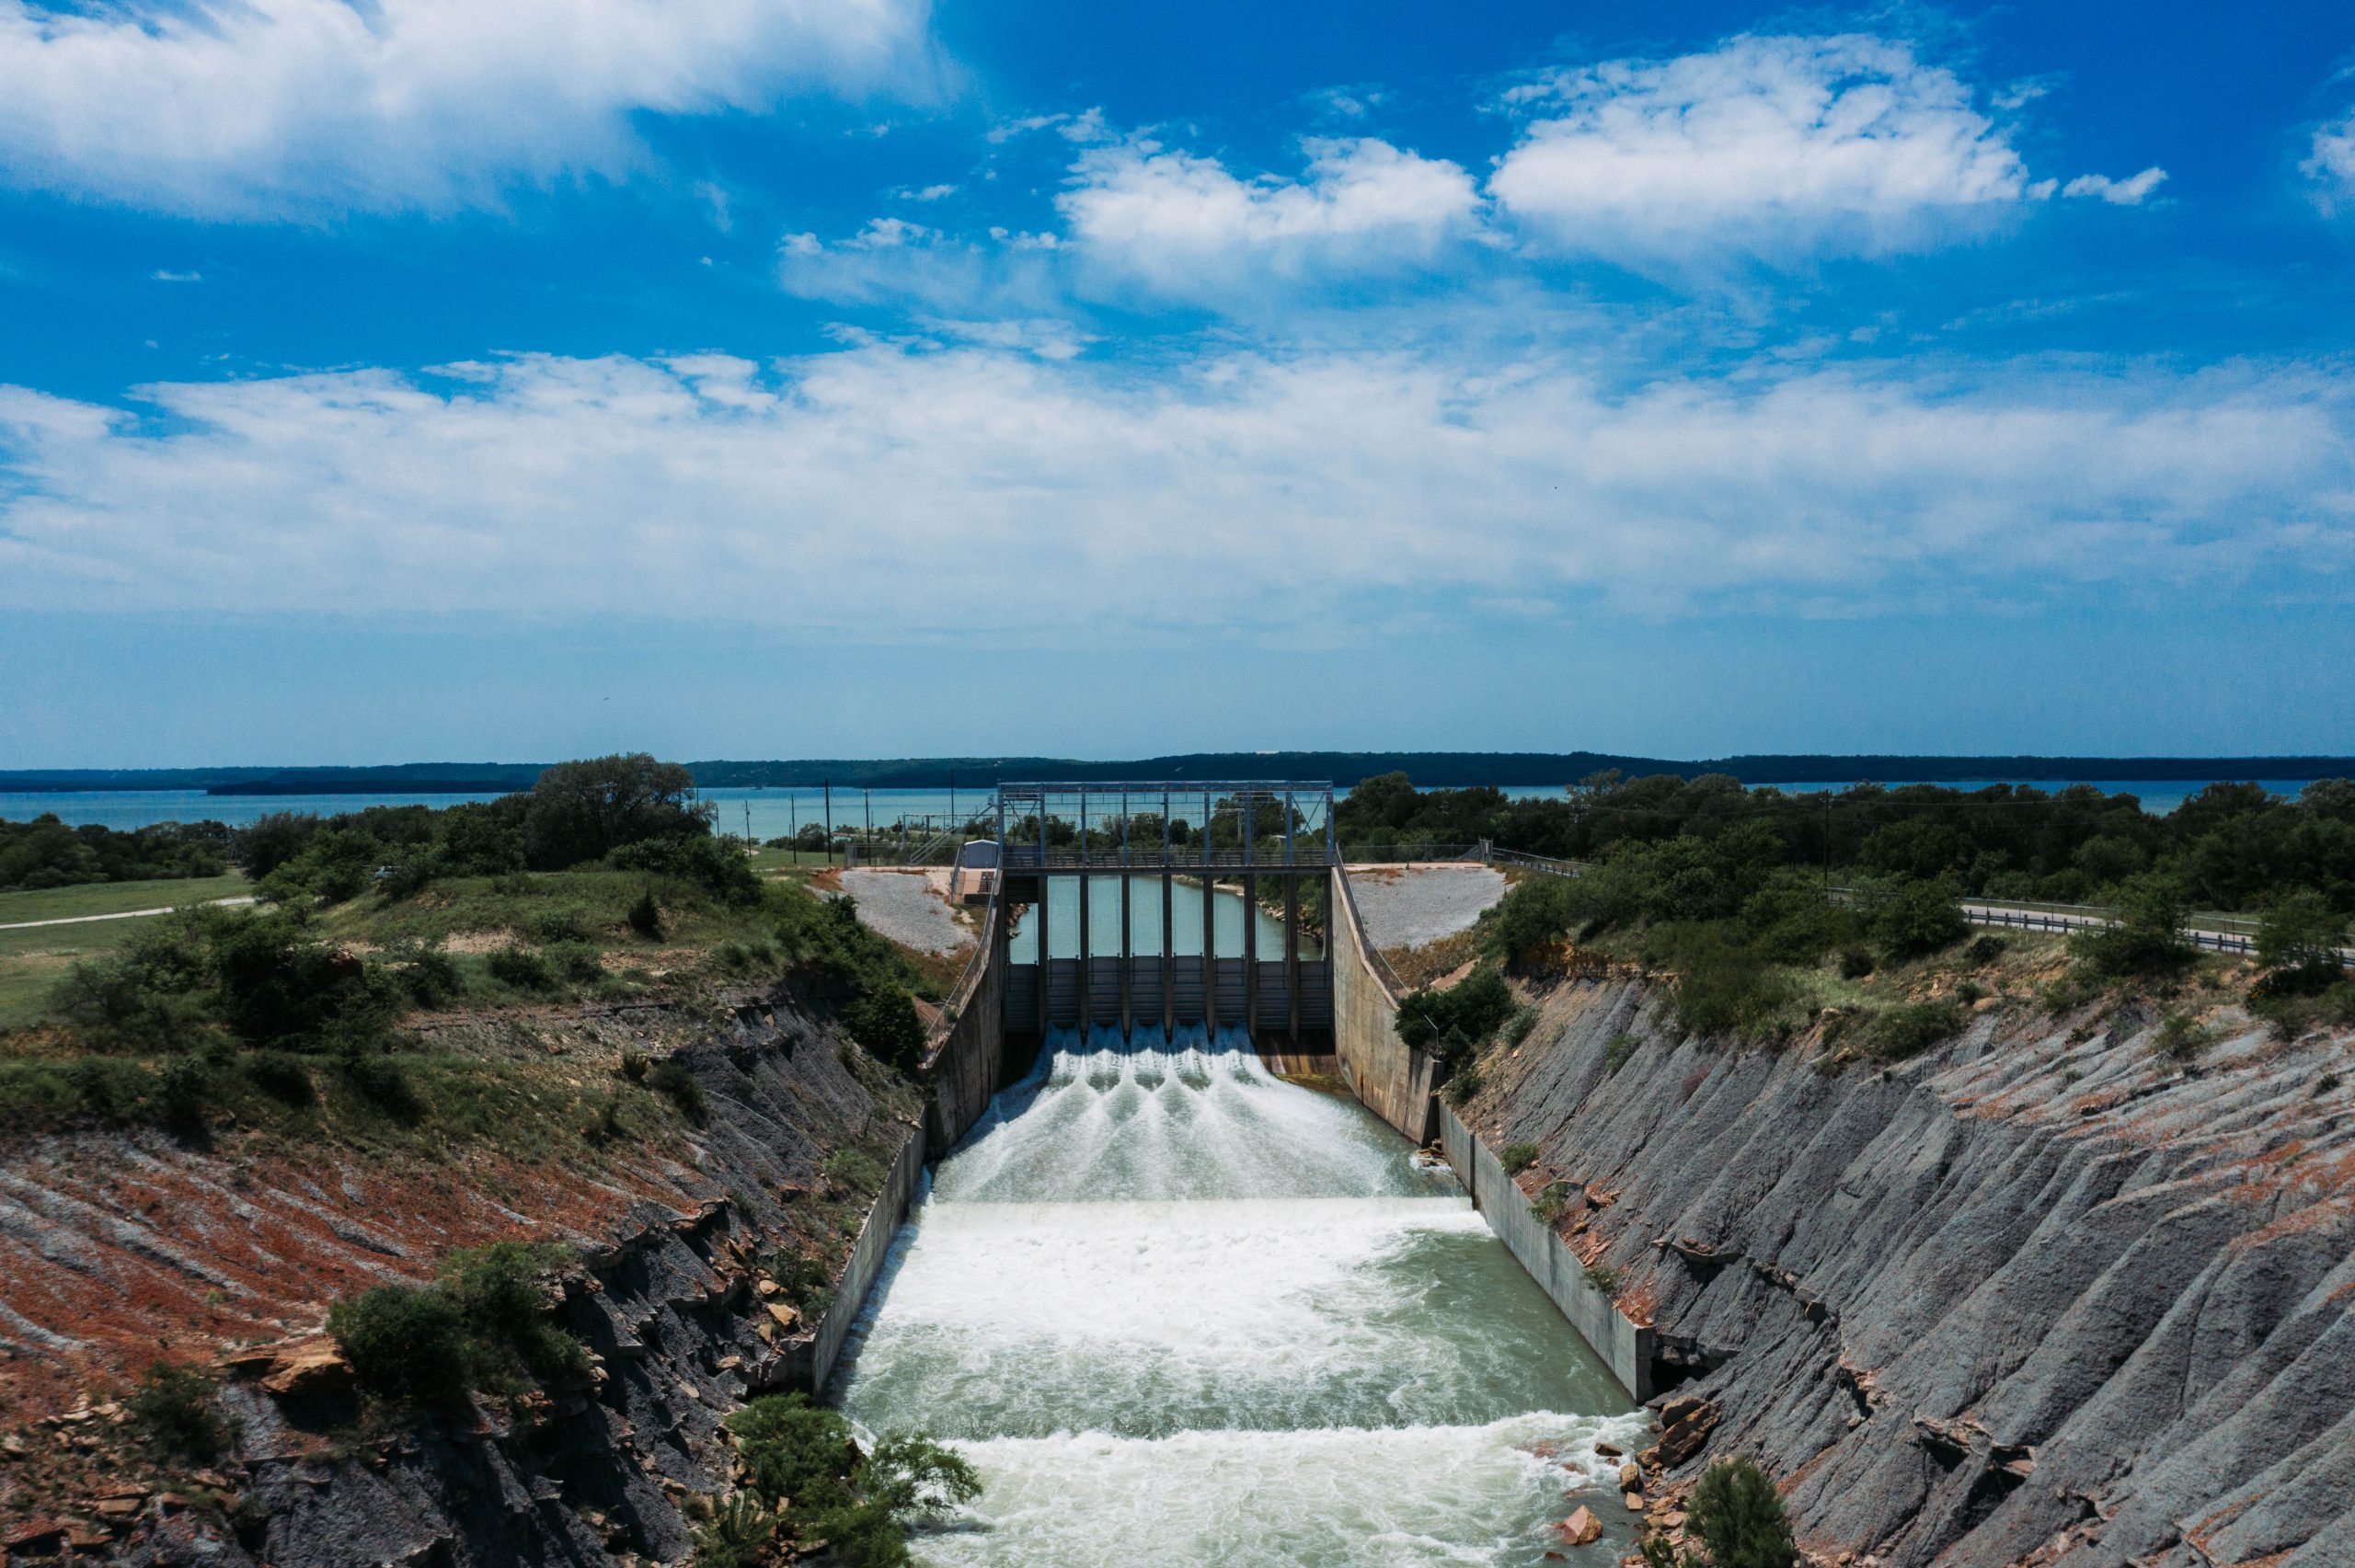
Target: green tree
{"points": [[583, 811], [1738, 1519], [887, 1026], [2146, 939], [1918, 918]]}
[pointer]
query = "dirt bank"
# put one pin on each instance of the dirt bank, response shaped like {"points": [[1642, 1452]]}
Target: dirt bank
{"points": [[2040, 1295]]}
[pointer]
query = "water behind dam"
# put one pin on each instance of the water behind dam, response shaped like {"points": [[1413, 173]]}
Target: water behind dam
{"points": [[1179, 1311]]}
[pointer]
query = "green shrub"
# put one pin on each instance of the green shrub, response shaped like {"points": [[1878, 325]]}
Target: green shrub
{"points": [[633, 1066], [1740, 1517], [645, 917], [1452, 1024], [578, 962], [1984, 949], [1600, 1277], [1907, 1030], [1530, 917], [801, 1458], [1918, 918], [522, 968], [683, 1089], [734, 1533], [1462, 1084], [183, 1095], [1792, 920], [481, 1325], [1970, 993], [1551, 1199], [1615, 1052], [717, 865], [382, 1082], [2146, 941], [802, 1280], [1855, 963], [1517, 1157], [499, 1296], [886, 1025], [2181, 1037], [1518, 1027], [1722, 987], [405, 1344], [172, 1409], [428, 975], [283, 1076]]}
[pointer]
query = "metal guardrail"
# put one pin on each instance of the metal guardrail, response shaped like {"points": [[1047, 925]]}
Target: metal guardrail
{"points": [[969, 980], [1029, 857], [2061, 917]]}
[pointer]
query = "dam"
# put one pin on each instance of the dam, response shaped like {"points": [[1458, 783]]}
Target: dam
{"points": [[1178, 1308]]}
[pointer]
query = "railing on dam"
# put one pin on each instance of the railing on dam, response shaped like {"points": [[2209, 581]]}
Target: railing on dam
{"points": [[1266, 843]]}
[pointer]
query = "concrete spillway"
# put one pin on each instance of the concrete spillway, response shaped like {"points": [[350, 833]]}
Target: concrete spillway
{"points": [[1180, 1312]]}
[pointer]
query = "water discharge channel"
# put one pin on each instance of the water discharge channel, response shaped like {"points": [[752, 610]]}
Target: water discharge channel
{"points": [[1179, 1311]]}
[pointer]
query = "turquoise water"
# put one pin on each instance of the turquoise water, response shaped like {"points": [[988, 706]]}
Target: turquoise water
{"points": [[1177, 1311], [1145, 922], [775, 813]]}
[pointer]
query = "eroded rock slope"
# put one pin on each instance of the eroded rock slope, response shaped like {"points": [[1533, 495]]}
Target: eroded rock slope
{"points": [[118, 1248], [2040, 1295]]}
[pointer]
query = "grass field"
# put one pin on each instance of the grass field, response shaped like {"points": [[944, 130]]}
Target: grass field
{"points": [[32, 961], [114, 897]]}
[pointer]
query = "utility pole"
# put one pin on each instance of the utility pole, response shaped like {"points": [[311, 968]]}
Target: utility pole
{"points": [[953, 804], [1827, 840], [828, 786]]}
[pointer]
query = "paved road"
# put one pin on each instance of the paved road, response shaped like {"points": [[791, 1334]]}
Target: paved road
{"points": [[118, 915]]}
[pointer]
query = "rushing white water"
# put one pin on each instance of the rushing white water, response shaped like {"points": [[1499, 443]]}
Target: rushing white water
{"points": [[1178, 1311]]}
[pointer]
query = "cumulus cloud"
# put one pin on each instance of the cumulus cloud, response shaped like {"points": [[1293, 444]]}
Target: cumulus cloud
{"points": [[266, 107], [1166, 214], [2330, 163], [935, 489], [1762, 143], [2117, 192]]}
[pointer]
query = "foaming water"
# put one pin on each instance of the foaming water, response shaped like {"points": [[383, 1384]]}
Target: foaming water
{"points": [[1329, 1498], [1176, 1310]]}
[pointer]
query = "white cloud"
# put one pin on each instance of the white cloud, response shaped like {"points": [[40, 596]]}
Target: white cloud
{"points": [[162, 276], [267, 108], [1166, 214], [2117, 192], [952, 490], [2331, 163], [1760, 143]]}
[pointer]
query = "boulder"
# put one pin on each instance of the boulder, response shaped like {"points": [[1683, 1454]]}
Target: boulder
{"points": [[1580, 1528], [299, 1369]]}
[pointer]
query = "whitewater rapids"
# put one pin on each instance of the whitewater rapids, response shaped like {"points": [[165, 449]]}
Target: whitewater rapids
{"points": [[1178, 1311]]}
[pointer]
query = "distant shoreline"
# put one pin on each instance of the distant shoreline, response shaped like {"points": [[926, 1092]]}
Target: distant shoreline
{"points": [[1429, 769]]}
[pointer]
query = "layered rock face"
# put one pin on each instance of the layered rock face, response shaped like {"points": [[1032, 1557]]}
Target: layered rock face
{"points": [[2040, 1295], [670, 1297]]}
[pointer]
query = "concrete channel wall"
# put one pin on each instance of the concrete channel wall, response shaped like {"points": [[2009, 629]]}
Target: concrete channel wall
{"points": [[1392, 1082], [867, 1255], [966, 1060], [963, 1064], [1625, 1346], [1396, 1084]]}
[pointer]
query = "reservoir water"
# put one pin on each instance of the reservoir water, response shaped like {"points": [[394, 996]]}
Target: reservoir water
{"points": [[1145, 922], [1179, 1311]]}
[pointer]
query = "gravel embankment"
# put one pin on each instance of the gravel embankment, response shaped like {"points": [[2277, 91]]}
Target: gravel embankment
{"points": [[905, 907], [1412, 906]]}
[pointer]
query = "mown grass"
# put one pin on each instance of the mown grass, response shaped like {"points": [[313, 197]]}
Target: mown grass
{"points": [[114, 897], [33, 960]]}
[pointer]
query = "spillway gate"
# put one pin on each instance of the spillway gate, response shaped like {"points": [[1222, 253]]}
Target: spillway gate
{"points": [[1259, 845]]}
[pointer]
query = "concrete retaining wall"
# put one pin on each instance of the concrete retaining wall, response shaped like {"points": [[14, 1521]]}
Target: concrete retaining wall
{"points": [[968, 1054], [882, 1223], [1392, 1082], [1624, 1346]]}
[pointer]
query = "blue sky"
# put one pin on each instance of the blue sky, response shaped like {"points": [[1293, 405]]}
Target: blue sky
{"points": [[419, 379]]}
